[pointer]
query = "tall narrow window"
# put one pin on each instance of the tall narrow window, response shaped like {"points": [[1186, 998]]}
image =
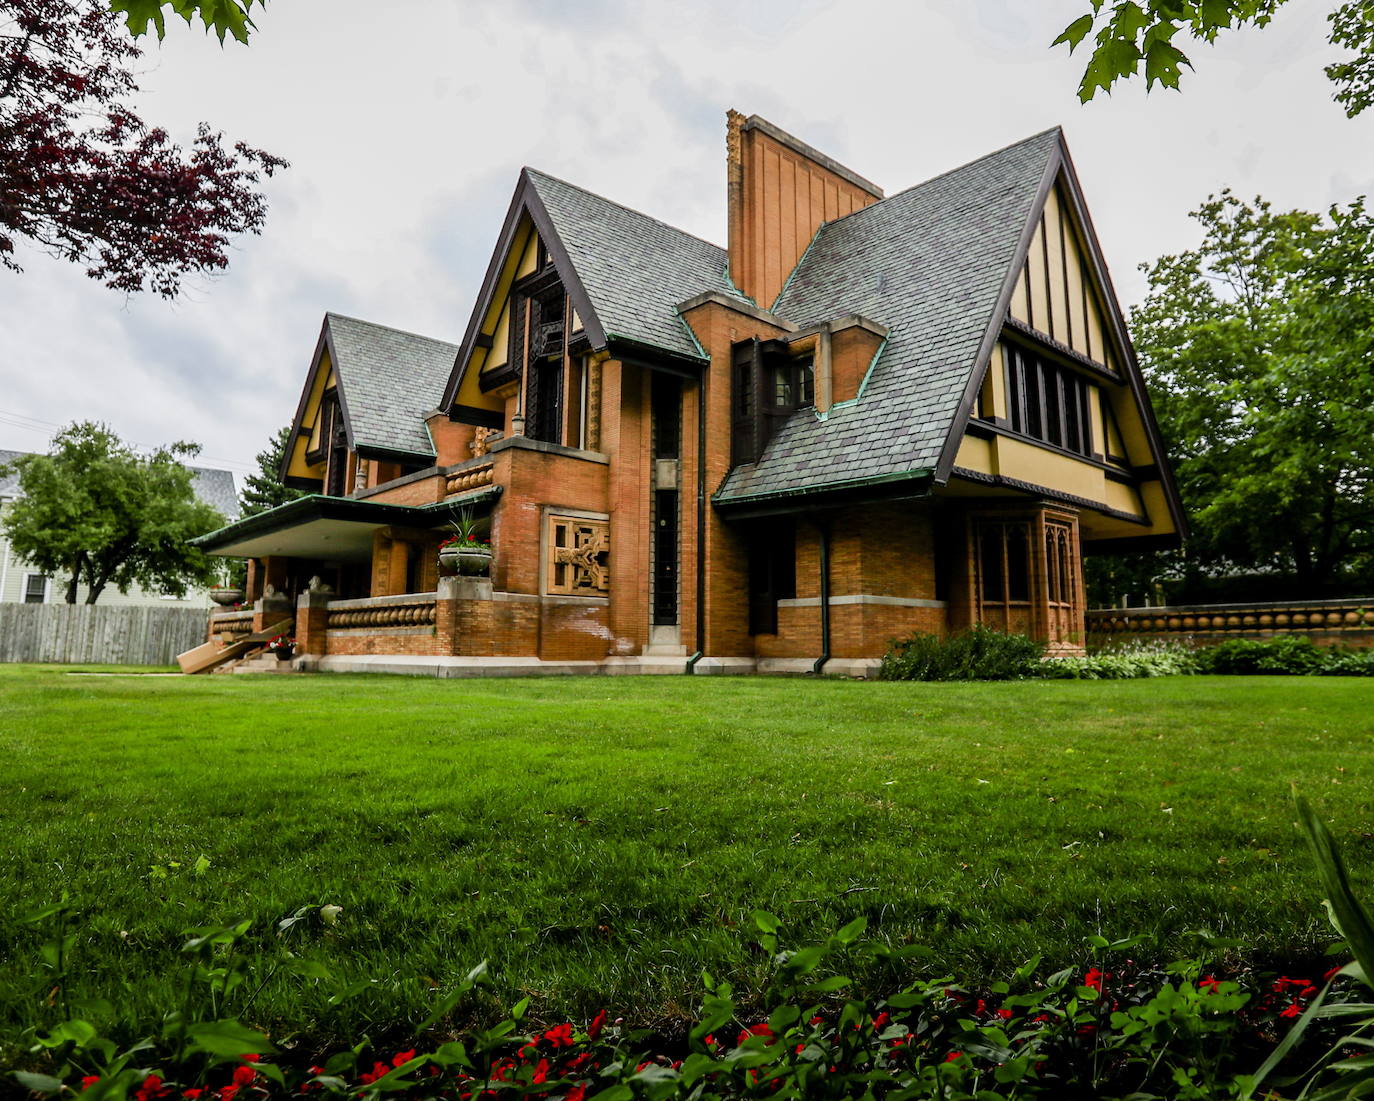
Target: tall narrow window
{"points": [[35, 589], [1047, 401]]}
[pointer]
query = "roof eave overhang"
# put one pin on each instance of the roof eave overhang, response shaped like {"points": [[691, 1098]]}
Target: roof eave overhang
{"points": [[650, 356], [316, 507], [905, 485]]}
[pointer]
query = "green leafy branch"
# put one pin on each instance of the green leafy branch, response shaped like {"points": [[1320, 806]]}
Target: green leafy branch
{"points": [[232, 17]]}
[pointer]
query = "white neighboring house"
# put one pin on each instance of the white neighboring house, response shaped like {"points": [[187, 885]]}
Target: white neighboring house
{"points": [[21, 583]]}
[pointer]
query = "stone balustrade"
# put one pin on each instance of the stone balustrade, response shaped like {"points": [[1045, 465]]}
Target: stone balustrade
{"points": [[233, 624], [408, 610], [469, 478], [1330, 620]]}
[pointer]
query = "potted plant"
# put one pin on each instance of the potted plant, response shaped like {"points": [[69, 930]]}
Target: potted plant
{"points": [[465, 551], [281, 646], [226, 596]]}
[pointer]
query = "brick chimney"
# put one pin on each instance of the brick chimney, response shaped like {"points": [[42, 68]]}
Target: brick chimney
{"points": [[780, 191]]}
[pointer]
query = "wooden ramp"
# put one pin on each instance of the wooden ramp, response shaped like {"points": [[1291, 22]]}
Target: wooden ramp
{"points": [[211, 655]]}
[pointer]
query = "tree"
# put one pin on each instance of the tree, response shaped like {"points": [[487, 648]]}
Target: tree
{"points": [[84, 178], [95, 512], [1259, 351], [1129, 33], [264, 490]]}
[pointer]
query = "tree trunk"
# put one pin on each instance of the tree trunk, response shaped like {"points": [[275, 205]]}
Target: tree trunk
{"points": [[78, 564]]}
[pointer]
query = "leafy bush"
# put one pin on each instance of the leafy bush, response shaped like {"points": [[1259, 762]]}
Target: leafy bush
{"points": [[980, 653], [1348, 663], [1276, 656], [1134, 659]]}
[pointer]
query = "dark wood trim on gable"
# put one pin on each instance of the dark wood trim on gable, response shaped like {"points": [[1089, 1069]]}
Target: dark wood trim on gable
{"points": [[526, 200], [969, 400], [1053, 349], [1131, 365]]}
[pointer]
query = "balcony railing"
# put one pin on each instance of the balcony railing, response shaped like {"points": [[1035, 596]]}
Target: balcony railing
{"points": [[1279, 618], [407, 610], [469, 478]]}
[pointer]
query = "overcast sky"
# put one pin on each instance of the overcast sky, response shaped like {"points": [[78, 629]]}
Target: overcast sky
{"points": [[407, 123]]}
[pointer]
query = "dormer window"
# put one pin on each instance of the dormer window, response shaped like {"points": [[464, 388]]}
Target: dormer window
{"points": [[769, 385]]}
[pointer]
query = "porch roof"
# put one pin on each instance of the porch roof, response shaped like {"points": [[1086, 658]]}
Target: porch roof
{"points": [[331, 528]]}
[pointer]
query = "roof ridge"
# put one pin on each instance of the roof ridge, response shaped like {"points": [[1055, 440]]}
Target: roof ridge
{"points": [[389, 328], [948, 172], [622, 206]]}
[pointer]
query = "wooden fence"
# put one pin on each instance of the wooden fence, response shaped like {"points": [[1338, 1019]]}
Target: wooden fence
{"points": [[92, 634]]}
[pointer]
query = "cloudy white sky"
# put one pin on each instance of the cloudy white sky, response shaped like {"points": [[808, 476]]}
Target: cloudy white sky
{"points": [[407, 123]]}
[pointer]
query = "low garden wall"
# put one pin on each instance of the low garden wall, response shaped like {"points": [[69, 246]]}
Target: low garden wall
{"points": [[1347, 622]]}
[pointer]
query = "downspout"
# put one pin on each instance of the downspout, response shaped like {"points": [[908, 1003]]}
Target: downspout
{"points": [[701, 528], [824, 530]]}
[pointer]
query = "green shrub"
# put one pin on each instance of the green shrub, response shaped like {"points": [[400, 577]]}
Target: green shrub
{"points": [[980, 653], [1134, 659], [1348, 663], [1275, 657]]}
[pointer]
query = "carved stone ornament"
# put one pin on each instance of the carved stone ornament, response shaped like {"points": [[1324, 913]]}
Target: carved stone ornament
{"points": [[482, 440], [579, 556]]}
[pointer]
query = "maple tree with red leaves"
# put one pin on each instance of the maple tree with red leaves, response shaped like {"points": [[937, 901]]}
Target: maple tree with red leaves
{"points": [[85, 179]]}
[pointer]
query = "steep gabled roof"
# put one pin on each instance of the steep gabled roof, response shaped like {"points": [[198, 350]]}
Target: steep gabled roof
{"points": [[625, 271], [935, 264], [388, 380], [633, 268]]}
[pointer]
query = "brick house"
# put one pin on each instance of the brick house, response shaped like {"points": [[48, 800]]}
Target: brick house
{"points": [[869, 415]]}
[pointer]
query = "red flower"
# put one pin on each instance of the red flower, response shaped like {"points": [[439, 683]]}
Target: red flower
{"points": [[402, 1057], [1093, 979], [560, 1035], [226, 1093], [799, 1049], [151, 1088], [1293, 1010], [709, 1040], [760, 1029], [1209, 984], [953, 1055], [980, 1008], [1087, 1030], [1332, 973], [243, 1076], [193, 1094], [577, 1093], [594, 1029], [89, 1081], [881, 1020], [379, 1070], [1005, 1014], [541, 1073]]}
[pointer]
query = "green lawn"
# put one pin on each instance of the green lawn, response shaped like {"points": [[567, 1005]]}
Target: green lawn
{"points": [[601, 841]]}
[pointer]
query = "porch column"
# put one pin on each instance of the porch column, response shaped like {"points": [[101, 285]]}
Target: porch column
{"points": [[312, 622]]}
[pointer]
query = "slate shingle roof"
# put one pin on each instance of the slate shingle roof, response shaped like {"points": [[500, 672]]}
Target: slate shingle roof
{"points": [[929, 263], [634, 268], [214, 487], [389, 380]]}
